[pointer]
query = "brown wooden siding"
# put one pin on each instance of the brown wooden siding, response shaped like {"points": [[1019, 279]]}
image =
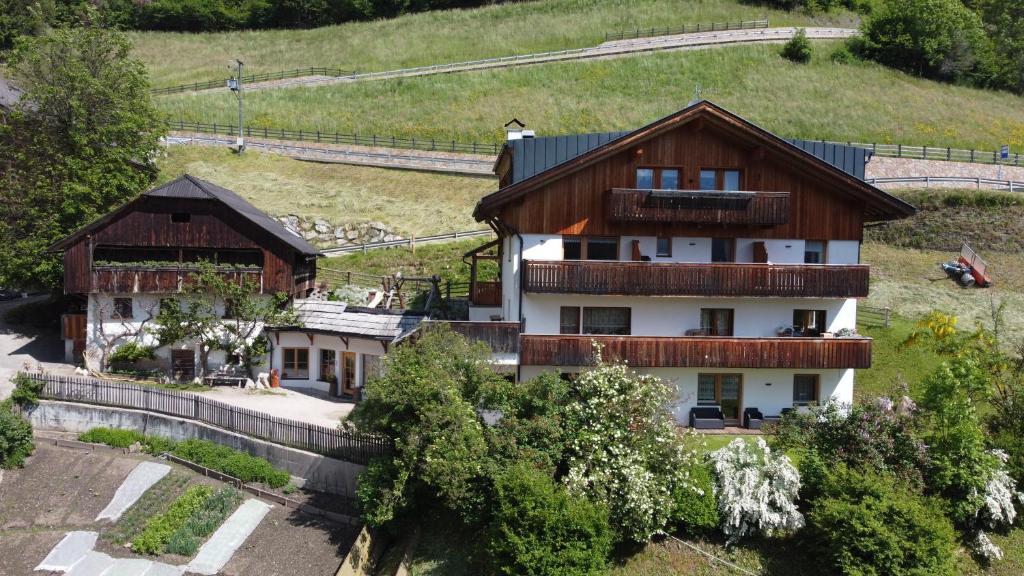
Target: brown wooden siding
{"points": [[577, 203], [72, 326], [123, 280], [679, 279], [697, 352], [486, 293], [700, 207], [501, 337]]}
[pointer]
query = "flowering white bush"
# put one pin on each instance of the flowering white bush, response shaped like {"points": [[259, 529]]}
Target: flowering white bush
{"points": [[624, 450], [997, 509], [984, 547], [756, 490]]}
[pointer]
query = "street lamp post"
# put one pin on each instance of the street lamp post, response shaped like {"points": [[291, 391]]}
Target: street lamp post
{"points": [[235, 85]]}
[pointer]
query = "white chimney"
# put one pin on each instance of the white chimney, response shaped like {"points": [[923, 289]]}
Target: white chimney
{"points": [[515, 130]]}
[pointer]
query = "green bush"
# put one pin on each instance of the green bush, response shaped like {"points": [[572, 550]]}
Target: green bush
{"points": [[798, 49], [203, 521], [160, 528], [864, 523], [26, 390], [539, 529], [15, 437], [124, 438], [131, 352], [842, 55], [696, 513], [238, 464]]}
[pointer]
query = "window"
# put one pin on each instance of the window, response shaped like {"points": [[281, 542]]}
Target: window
{"points": [[181, 217], [327, 363], [724, 390], [657, 178], [608, 321], [664, 247], [727, 180], [295, 363], [809, 322], [805, 389], [722, 250], [590, 248], [122, 309], [348, 371], [644, 178], [814, 252], [569, 320], [716, 321]]}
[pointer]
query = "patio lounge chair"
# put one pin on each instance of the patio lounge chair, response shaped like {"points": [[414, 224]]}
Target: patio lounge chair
{"points": [[753, 419], [707, 418]]}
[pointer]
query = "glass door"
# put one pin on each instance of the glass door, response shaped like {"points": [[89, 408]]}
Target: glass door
{"points": [[731, 396]]}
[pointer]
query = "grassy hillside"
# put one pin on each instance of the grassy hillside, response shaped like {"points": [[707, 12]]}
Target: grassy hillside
{"points": [[438, 37], [409, 202], [859, 101]]}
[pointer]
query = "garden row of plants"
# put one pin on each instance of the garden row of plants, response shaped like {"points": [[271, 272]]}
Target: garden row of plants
{"points": [[566, 473], [234, 463], [187, 521]]}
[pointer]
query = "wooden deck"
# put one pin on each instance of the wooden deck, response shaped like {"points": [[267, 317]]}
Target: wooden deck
{"points": [[697, 352], [699, 207], [703, 279]]}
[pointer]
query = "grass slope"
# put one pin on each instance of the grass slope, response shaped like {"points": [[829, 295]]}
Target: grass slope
{"points": [[440, 36], [410, 202], [819, 100], [443, 259]]}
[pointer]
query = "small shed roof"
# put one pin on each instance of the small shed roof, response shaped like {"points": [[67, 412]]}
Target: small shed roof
{"points": [[338, 318]]}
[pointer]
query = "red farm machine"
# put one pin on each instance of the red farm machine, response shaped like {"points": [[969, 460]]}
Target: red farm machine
{"points": [[969, 269]]}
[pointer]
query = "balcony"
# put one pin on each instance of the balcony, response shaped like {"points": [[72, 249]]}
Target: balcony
{"points": [[485, 293], [698, 352], [699, 207], [500, 337], [688, 279], [143, 278]]}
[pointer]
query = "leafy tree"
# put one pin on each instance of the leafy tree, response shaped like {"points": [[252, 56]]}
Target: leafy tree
{"points": [[798, 49], [540, 529], [1004, 24], [426, 401], [869, 523], [939, 39], [623, 448], [78, 143], [196, 319]]}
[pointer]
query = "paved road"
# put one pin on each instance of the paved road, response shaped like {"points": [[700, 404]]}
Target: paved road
{"points": [[21, 343]]}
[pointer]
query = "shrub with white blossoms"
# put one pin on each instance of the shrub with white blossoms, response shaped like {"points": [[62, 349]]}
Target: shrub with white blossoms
{"points": [[756, 490], [624, 449], [998, 509]]}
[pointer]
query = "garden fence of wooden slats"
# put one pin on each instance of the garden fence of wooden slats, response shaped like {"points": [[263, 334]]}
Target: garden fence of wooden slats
{"points": [[331, 442]]}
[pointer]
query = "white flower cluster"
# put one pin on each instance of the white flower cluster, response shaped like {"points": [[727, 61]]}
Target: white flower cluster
{"points": [[756, 490], [624, 448], [984, 547], [998, 509]]}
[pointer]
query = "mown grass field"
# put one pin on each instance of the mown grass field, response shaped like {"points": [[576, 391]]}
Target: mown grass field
{"points": [[821, 100], [410, 202], [440, 36]]}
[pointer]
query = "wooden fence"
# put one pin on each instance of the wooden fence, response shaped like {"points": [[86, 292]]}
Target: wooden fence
{"points": [[331, 442], [870, 316], [685, 29], [264, 77]]}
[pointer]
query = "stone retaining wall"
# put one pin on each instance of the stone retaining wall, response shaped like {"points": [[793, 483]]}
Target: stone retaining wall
{"points": [[319, 472], [904, 167]]}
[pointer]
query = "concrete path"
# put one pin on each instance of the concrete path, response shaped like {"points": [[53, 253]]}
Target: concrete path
{"points": [[92, 564], [229, 537], [134, 486]]}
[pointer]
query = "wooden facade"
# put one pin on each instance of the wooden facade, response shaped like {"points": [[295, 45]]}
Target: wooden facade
{"points": [[500, 337], [175, 230], [678, 279], [697, 352], [699, 207]]}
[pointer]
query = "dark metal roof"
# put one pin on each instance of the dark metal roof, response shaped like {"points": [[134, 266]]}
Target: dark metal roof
{"points": [[532, 156], [194, 188]]}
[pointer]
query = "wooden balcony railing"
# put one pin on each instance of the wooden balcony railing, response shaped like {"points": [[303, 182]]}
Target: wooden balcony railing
{"points": [[501, 337], [159, 279], [697, 352], [699, 207], [485, 294], [687, 279]]}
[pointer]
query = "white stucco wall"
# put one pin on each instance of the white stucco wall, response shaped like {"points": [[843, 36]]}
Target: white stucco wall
{"points": [[100, 325], [769, 390], [673, 316], [843, 252], [362, 347]]}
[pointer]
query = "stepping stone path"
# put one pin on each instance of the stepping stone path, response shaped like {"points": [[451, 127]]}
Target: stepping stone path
{"points": [[229, 537], [134, 486], [68, 551]]}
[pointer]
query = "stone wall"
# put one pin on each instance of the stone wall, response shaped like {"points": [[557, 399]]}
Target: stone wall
{"points": [[904, 167], [322, 233]]}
